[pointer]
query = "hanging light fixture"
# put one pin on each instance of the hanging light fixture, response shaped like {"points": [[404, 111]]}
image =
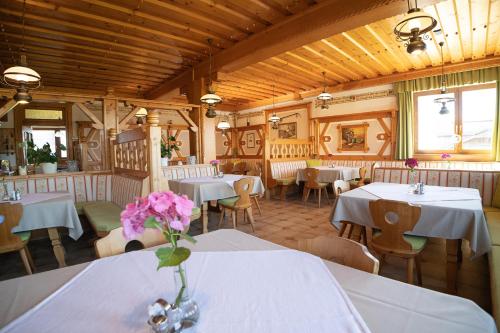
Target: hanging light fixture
{"points": [[22, 77], [142, 113], [210, 99], [325, 96], [274, 119], [224, 124], [443, 99], [413, 29]]}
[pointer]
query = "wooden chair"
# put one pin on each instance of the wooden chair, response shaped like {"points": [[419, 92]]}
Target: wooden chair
{"points": [[240, 168], [228, 167], [241, 201], [394, 218], [342, 251], [361, 181], [10, 241], [339, 187], [115, 243], [311, 175], [257, 171]]}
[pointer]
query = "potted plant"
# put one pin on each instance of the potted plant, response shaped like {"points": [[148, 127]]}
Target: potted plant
{"points": [[46, 158], [167, 149]]}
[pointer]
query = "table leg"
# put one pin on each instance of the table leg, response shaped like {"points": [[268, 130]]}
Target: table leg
{"points": [[451, 265], [204, 216], [57, 246]]}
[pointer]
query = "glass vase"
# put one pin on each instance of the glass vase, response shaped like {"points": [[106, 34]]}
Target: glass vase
{"points": [[412, 180], [189, 308]]}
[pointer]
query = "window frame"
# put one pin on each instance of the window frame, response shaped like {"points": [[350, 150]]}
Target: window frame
{"points": [[458, 153]]}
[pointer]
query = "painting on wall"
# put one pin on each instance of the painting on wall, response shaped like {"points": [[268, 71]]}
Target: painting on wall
{"points": [[250, 140], [353, 137], [287, 131]]}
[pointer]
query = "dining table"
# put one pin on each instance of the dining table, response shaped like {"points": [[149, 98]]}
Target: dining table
{"points": [[50, 210], [49, 302], [329, 174], [450, 213], [202, 190]]}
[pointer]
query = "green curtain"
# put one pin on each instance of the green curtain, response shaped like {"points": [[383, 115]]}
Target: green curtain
{"points": [[404, 92]]}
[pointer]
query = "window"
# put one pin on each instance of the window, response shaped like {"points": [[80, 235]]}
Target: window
{"points": [[466, 129], [54, 137]]}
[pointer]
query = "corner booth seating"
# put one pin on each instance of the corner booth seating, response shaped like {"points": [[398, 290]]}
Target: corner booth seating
{"points": [[188, 171], [486, 182]]}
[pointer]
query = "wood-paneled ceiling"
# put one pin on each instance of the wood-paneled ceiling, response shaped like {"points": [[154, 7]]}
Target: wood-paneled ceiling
{"points": [[471, 30], [95, 44]]}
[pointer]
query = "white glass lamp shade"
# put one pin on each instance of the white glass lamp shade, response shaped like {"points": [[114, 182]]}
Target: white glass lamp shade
{"points": [[223, 125], [141, 113], [210, 99], [274, 118], [325, 96], [18, 75]]}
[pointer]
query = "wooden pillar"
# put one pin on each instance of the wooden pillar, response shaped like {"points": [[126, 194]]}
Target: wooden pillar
{"points": [[110, 120], [69, 130], [194, 91], [156, 180], [112, 137]]}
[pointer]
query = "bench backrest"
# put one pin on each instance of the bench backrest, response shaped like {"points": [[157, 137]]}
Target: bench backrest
{"points": [[188, 171], [124, 189], [286, 169], [483, 181]]}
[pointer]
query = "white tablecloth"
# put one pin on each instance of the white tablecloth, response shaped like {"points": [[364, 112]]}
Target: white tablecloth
{"points": [[329, 175], [453, 213], [49, 210], [203, 189], [386, 305], [258, 291]]}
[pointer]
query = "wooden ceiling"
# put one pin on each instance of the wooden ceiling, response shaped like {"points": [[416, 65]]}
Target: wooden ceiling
{"points": [[122, 44], [94, 44], [471, 31]]}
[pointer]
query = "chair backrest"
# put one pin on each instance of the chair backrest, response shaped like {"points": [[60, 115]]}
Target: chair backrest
{"points": [[240, 167], [342, 251], [256, 170], [228, 167], [311, 175], [393, 218], [340, 186], [11, 215], [362, 175], [243, 189], [115, 243]]}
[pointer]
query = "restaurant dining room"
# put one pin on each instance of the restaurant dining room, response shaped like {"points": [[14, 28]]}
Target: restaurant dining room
{"points": [[250, 166]]}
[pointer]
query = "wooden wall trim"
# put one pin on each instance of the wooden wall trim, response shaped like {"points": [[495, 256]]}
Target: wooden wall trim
{"points": [[356, 116]]}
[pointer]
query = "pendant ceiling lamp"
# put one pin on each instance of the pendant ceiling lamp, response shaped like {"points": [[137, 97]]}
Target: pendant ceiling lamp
{"points": [[22, 77], [325, 96], [413, 29], [443, 99], [274, 119], [142, 113], [224, 124], [210, 99]]}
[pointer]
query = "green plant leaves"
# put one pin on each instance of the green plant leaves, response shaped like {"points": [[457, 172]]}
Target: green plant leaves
{"points": [[188, 238], [151, 223], [169, 256]]}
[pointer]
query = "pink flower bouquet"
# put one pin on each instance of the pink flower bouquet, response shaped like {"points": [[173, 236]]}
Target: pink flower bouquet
{"points": [[411, 163], [445, 156], [214, 162], [171, 215]]}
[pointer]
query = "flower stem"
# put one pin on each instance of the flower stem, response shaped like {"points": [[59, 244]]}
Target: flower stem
{"points": [[183, 282]]}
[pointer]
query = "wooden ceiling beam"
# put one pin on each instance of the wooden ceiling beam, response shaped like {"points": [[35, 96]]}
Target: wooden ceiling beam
{"points": [[317, 22], [487, 62], [338, 66]]}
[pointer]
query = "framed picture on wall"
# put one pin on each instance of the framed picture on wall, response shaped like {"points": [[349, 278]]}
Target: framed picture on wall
{"points": [[353, 137], [250, 140], [287, 131]]}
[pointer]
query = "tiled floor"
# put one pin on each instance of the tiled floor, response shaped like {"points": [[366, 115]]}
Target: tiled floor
{"points": [[285, 223]]}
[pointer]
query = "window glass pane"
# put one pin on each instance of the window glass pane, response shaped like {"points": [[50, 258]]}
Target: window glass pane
{"points": [[43, 114], [41, 137], [436, 132], [478, 115]]}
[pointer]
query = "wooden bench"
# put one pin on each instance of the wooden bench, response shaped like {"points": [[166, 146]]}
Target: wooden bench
{"points": [[188, 171], [283, 174]]}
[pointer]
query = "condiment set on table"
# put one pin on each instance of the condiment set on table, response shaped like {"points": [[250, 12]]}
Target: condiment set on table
{"points": [[419, 188]]}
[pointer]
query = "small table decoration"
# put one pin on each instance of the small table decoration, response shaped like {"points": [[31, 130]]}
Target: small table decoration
{"points": [[412, 163], [170, 214], [446, 157], [215, 164]]}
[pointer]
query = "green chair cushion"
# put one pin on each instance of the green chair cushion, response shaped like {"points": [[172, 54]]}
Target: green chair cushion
{"points": [[417, 242], [313, 163], [494, 259], [323, 184], [79, 206], [103, 216], [493, 219], [25, 235], [228, 202], [286, 181], [195, 213], [495, 202]]}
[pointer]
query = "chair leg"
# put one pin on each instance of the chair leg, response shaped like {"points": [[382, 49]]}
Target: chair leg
{"points": [[284, 189], [419, 270], [250, 218], [222, 217], [363, 234], [233, 216], [244, 216], [342, 229], [30, 259], [308, 192], [319, 197], [409, 270], [351, 229], [326, 194], [257, 204], [24, 258]]}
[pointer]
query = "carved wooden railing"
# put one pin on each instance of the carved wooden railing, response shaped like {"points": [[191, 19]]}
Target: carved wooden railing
{"points": [[289, 149], [129, 153]]}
